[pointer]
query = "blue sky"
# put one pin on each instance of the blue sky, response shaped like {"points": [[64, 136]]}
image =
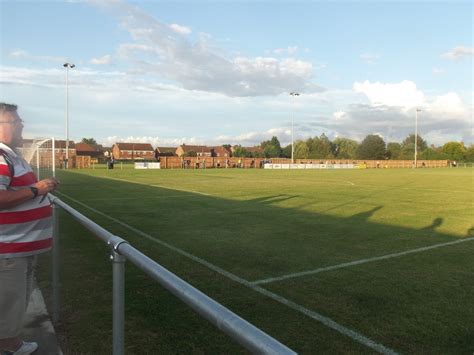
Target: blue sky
{"points": [[215, 72]]}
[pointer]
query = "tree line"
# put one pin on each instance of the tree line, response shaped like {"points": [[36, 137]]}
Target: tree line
{"points": [[372, 147]]}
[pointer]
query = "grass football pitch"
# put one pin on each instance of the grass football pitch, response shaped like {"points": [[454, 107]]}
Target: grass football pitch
{"points": [[332, 261]]}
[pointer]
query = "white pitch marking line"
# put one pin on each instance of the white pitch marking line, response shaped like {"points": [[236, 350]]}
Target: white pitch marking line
{"points": [[133, 198], [326, 321], [357, 262], [314, 315]]}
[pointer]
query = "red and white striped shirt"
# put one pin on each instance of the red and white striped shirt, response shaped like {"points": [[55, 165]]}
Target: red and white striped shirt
{"points": [[25, 229]]}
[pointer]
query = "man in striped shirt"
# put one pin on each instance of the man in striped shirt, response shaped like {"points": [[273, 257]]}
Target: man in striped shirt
{"points": [[25, 230]]}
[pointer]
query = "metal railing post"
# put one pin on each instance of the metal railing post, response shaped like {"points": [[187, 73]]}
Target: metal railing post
{"points": [[55, 265], [118, 296]]}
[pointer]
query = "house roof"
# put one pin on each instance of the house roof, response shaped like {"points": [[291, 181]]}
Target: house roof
{"points": [[196, 148], [166, 149], [134, 146], [84, 147], [221, 149]]}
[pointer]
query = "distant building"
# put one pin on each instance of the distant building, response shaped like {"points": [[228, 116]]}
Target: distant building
{"points": [[84, 149], [221, 151], [200, 150], [133, 151], [165, 152]]}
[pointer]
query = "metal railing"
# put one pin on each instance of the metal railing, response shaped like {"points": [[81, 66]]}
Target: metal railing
{"points": [[246, 334]]}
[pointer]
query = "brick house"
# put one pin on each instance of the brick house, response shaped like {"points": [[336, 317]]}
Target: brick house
{"points": [[221, 151], [200, 150], [165, 152], [84, 149], [133, 151]]}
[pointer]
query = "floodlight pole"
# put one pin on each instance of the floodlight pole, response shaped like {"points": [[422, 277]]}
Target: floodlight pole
{"points": [[67, 66], [293, 93], [416, 136]]}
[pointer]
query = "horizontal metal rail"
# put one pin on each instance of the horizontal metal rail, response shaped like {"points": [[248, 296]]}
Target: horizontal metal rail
{"points": [[246, 334]]}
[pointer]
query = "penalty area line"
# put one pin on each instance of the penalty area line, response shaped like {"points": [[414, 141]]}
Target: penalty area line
{"points": [[328, 322], [357, 262]]}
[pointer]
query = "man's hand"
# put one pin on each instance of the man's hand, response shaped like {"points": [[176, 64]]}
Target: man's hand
{"points": [[46, 185]]}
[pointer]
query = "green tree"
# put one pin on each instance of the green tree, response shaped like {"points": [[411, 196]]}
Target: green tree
{"points": [[191, 153], [90, 141], [407, 152], [239, 151], [420, 142], [470, 154], [256, 154], [408, 147], [372, 147], [454, 150], [226, 146], [345, 148], [394, 150], [286, 152], [301, 150], [432, 153], [320, 147], [271, 148]]}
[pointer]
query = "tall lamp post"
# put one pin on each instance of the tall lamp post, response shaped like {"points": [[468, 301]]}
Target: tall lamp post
{"points": [[416, 135], [293, 93], [67, 66]]}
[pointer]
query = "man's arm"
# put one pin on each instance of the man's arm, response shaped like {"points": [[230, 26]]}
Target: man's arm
{"points": [[12, 198]]}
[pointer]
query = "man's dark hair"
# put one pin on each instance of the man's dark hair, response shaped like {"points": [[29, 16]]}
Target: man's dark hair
{"points": [[7, 107]]}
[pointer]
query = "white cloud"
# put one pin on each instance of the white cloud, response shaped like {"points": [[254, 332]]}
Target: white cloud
{"points": [[255, 138], [450, 104], [97, 94], [407, 97], [22, 54], [403, 94], [244, 139], [154, 141], [458, 52], [160, 52], [106, 59], [438, 71], [18, 53], [339, 114], [33, 77], [370, 58], [291, 50], [361, 111], [180, 29]]}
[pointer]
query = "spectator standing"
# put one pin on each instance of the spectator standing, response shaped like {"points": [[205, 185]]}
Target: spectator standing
{"points": [[25, 231]]}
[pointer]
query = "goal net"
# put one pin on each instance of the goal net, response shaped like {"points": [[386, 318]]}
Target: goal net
{"points": [[43, 156]]}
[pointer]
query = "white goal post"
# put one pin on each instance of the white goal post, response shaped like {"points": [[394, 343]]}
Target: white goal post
{"points": [[42, 155]]}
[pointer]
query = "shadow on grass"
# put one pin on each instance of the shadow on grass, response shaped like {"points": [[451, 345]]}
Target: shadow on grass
{"points": [[436, 223], [252, 239]]}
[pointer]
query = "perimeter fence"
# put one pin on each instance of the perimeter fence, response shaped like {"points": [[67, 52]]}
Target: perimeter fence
{"points": [[244, 333], [248, 163]]}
